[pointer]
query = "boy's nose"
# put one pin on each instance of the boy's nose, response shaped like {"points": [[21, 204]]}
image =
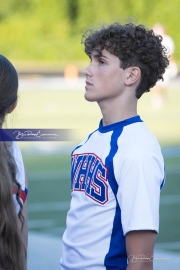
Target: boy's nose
{"points": [[87, 71]]}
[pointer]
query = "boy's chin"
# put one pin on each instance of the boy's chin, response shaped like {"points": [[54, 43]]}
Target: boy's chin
{"points": [[89, 98]]}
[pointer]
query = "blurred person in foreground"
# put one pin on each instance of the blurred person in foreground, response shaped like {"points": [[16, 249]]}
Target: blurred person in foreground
{"points": [[118, 170], [13, 183], [159, 92]]}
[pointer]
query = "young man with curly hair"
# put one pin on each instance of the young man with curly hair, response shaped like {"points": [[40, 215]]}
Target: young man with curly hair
{"points": [[118, 170]]}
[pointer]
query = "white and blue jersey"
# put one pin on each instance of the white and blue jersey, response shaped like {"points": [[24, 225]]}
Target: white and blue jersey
{"points": [[20, 175], [117, 173]]}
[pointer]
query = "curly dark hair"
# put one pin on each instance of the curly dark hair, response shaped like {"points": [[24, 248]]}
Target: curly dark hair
{"points": [[134, 46]]}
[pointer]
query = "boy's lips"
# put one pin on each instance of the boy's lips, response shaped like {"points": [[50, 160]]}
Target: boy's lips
{"points": [[88, 83]]}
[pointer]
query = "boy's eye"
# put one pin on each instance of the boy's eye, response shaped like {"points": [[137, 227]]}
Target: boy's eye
{"points": [[101, 61]]}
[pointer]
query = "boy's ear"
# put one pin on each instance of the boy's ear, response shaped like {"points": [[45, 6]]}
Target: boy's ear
{"points": [[12, 107], [133, 75]]}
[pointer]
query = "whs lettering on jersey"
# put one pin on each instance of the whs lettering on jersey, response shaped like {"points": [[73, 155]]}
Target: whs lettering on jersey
{"points": [[89, 175]]}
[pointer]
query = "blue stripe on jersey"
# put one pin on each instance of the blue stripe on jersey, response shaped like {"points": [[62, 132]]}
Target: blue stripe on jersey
{"points": [[163, 182], [116, 258], [120, 124]]}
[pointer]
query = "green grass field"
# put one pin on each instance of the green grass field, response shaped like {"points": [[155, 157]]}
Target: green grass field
{"points": [[49, 173]]}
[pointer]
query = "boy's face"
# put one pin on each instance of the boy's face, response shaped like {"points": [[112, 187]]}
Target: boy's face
{"points": [[104, 77]]}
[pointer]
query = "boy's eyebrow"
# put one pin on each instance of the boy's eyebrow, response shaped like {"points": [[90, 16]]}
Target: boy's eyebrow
{"points": [[98, 55]]}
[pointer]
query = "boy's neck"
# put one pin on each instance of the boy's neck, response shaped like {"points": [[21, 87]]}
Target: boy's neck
{"points": [[117, 111], [107, 120]]}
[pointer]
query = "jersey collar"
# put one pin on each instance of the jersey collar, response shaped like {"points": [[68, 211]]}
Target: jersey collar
{"points": [[120, 124]]}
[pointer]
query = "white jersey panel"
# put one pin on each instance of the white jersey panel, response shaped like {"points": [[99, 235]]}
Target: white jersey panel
{"points": [[139, 170], [20, 174], [86, 222]]}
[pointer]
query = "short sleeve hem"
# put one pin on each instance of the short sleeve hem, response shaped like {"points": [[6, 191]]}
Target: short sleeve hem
{"points": [[142, 226]]}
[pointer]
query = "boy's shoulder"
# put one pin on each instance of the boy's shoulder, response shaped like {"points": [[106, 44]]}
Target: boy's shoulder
{"points": [[137, 139]]}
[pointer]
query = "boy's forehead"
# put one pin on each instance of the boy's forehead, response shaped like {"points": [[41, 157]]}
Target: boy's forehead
{"points": [[106, 55], [101, 53]]}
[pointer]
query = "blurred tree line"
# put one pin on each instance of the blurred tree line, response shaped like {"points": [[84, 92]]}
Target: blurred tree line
{"points": [[51, 30]]}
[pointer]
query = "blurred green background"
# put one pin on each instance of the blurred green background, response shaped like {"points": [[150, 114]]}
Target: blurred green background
{"points": [[51, 30], [45, 35]]}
